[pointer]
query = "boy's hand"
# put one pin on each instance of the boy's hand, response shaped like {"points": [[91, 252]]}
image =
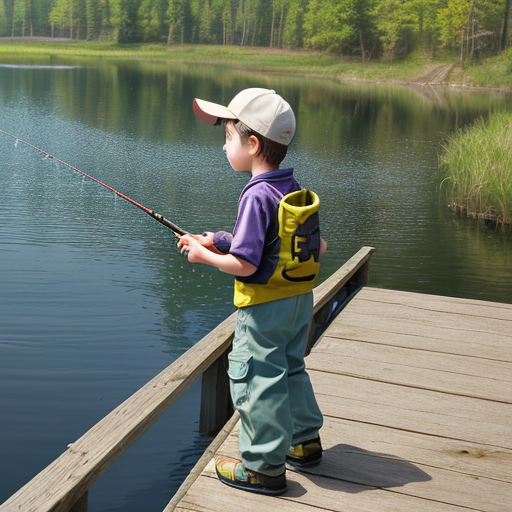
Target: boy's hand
{"points": [[195, 245], [199, 253], [191, 245], [206, 239]]}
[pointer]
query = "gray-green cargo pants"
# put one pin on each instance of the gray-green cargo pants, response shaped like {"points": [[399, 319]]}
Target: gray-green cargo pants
{"points": [[269, 384]]}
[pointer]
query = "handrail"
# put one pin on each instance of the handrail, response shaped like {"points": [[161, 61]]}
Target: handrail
{"points": [[63, 485], [355, 270]]}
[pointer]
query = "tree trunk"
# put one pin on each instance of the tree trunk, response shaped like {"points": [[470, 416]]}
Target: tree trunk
{"points": [[272, 27], [504, 33], [461, 45], [280, 35]]}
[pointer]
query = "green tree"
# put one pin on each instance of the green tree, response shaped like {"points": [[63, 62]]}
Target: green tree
{"points": [[246, 21], [106, 28], [340, 26], [474, 27], [293, 36], [93, 19], [279, 11], [19, 16], [228, 35], [395, 24], [452, 21], [123, 20], [150, 18], [506, 18], [176, 15], [206, 23], [4, 22], [489, 22], [68, 15]]}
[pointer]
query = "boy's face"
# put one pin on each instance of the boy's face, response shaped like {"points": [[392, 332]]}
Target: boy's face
{"points": [[238, 154]]}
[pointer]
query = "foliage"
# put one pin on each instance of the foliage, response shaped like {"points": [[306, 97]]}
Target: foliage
{"points": [[4, 23], [477, 169], [363, 28], [65, 15]]}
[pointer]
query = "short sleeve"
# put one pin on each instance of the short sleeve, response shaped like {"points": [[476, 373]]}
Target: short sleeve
{"points": [[250, 231], [222, 241]]}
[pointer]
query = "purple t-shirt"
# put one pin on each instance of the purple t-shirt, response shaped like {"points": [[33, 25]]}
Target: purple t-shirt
{"points": [[257, 223]]}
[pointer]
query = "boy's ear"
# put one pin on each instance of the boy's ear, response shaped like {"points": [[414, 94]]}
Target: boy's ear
{"points": [[254, 145]]}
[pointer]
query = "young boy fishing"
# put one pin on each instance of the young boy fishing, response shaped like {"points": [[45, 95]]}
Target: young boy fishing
{"points": [[274, 254]]}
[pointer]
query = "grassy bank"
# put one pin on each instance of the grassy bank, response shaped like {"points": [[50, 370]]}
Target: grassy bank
{"points": [[496, 72], [477, 169]]}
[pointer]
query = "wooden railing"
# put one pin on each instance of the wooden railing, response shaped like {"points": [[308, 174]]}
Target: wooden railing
{"points": [[64, 484]]}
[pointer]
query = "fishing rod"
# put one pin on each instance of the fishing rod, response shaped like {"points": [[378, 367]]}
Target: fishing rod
{"points": [[178, 232]]}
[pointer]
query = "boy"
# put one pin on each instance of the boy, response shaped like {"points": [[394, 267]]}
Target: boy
{"points": [[274, 254]]}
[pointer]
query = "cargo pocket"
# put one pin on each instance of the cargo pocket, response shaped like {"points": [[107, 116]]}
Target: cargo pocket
{"points": [[238, 371]]}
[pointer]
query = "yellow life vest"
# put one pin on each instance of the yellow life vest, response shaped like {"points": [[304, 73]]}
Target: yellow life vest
{"points": [[298, 264]]}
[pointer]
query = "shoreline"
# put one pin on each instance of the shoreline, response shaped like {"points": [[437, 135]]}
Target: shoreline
{"points": [[418, 70]]}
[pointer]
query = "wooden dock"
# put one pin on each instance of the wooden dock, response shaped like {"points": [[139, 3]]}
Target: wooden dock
{"points": [[416, 391]]}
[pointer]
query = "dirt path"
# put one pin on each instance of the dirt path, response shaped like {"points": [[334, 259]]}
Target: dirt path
{"points": [[437, 74]]}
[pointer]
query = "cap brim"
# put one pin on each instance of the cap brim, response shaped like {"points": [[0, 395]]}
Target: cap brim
{"points": [[209, 112]]}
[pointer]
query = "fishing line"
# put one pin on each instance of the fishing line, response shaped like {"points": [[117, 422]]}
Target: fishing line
{"points": [[167, 223]]}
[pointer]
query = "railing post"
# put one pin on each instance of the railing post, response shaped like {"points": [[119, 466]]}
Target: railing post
{"points": [[216, 408], [354, 274], [362, 276], [81, 504]]}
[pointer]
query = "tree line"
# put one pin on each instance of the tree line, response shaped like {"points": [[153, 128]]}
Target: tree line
{"points": [[364, 28]]}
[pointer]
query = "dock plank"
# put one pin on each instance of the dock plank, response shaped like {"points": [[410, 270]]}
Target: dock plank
{"points": [[414, 410], [342, 436], [452, 305], [440, 317], [401, 333], [415, 392], [465, 376]]}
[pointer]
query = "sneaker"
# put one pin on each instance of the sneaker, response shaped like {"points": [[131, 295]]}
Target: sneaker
{"points": [[306, 454], [232, 472]]}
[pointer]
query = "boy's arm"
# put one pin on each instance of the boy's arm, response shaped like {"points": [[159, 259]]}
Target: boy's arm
{"points": [[219, 242], [199, 253]]}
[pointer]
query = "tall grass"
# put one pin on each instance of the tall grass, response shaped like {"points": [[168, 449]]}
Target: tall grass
{"points": [[490, 72], [476, 169]]}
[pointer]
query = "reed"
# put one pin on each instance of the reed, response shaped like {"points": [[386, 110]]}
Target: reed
{"points": [[476, 169]]}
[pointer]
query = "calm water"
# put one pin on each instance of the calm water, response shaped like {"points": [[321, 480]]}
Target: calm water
{"points": [[95, 299]]}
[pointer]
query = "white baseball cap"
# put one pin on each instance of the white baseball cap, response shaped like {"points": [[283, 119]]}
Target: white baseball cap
{"points": [[262, 110]]}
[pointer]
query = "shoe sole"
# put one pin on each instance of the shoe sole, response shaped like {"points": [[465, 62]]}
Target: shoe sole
{"points": [[300, 464], [257, 490]]}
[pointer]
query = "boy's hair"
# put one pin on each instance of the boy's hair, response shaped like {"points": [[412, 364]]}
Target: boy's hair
{"points": [[272, 152]]}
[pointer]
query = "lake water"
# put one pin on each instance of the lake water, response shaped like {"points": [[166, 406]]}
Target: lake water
{"points": [[95, 299]]}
